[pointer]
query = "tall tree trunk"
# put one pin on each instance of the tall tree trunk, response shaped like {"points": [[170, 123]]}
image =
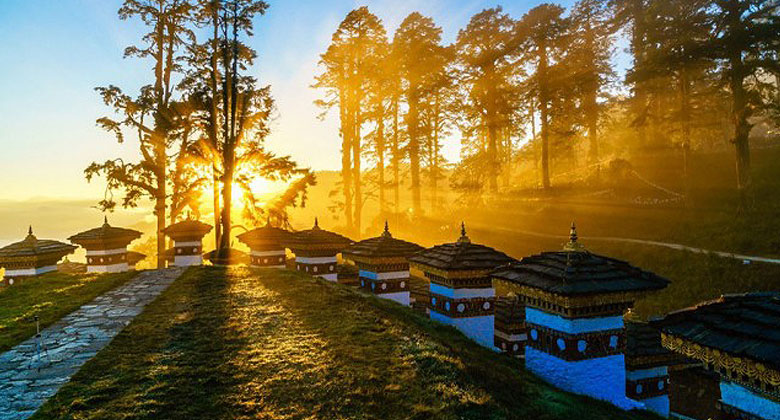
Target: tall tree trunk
{"points": [[543, 102], [740, 115], [740, 111], [160, 202], [346, 154], [435, 156], [637, 48], [414, 150], [685, 125], [346, 158], [227, 206], [215, 191], [356, 152], [592, 117], [396, 158], [215, 117], [492, 155], [380, 151]]}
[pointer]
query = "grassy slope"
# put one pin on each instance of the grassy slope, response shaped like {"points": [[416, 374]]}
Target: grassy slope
{"points": [[264, 344], [50, 296]]}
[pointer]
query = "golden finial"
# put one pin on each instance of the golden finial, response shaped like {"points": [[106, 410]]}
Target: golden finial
{"points": [[316, 223], [573, 245], [105, 220], [386, 233], [463, 237], [29, 231]]}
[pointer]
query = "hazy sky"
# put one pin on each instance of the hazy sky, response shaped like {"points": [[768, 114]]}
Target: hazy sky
{"points": [[54, 52]]}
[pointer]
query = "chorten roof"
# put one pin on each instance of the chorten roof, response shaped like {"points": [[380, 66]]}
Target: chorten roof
{"points": [[575, 271], [105, 234], [34, 247], [318, 237], [187, 227], [382, 246], [462, 255], [743, 326], [265, 234]]}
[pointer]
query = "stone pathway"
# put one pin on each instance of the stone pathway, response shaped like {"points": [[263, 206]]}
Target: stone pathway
{"points": [[26, 383]]}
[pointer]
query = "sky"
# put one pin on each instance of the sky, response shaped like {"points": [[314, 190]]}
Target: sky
{"points": [[55, 52]]}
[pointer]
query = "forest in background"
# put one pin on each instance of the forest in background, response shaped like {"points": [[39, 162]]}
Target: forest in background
{"points": [[540, 111]]}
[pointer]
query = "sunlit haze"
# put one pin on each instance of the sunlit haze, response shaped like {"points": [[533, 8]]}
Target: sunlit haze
{"points": [[48, 133]]}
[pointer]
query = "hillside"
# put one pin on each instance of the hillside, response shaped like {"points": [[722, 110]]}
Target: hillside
{"points": [[247, 344]]}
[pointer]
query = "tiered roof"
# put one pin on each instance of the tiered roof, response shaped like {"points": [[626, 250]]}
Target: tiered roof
{"points": [[265, 235], [32, 247], [575, 271], [383, 246], [744, 326], [643, 346], [462, 255], [318, 238], [188, 227], [105, 235]]}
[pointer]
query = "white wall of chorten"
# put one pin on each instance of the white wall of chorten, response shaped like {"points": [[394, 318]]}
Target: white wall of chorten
{"points": [[323, 267], [107, 260], [377, 285], [652, 381], [187, 253], [32, 271], [480, 328], [268, 259], [600, 377]]}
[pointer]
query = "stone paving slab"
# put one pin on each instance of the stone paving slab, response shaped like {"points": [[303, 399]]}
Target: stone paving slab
{"points": [[27, 381]]}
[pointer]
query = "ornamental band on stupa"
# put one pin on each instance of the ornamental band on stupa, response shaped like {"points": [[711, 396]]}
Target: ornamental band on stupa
{"points": [[574, 305], [383, 264], [31, 257], [267, 246], [187, 238], [106, 247], [316, 251], [461, 291], [738, 337]]}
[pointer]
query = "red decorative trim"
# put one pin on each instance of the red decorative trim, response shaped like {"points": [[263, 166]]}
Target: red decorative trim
{"points": [[380, 287], [643, 389], [596, 344], [462, 308]]}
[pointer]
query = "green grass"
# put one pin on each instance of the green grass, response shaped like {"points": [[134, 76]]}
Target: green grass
{"points": [[241, 344], [50, 296]]}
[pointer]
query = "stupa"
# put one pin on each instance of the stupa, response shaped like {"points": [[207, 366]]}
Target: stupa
{"points": [[187, 238], [383, 264], [316, 251], [106, 247], [738, 338], [31, 257], [267, 246], [574, 305], [461, 291]]}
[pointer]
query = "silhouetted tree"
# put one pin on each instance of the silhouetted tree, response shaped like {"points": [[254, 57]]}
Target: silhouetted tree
{"points": [[151, 114]]}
